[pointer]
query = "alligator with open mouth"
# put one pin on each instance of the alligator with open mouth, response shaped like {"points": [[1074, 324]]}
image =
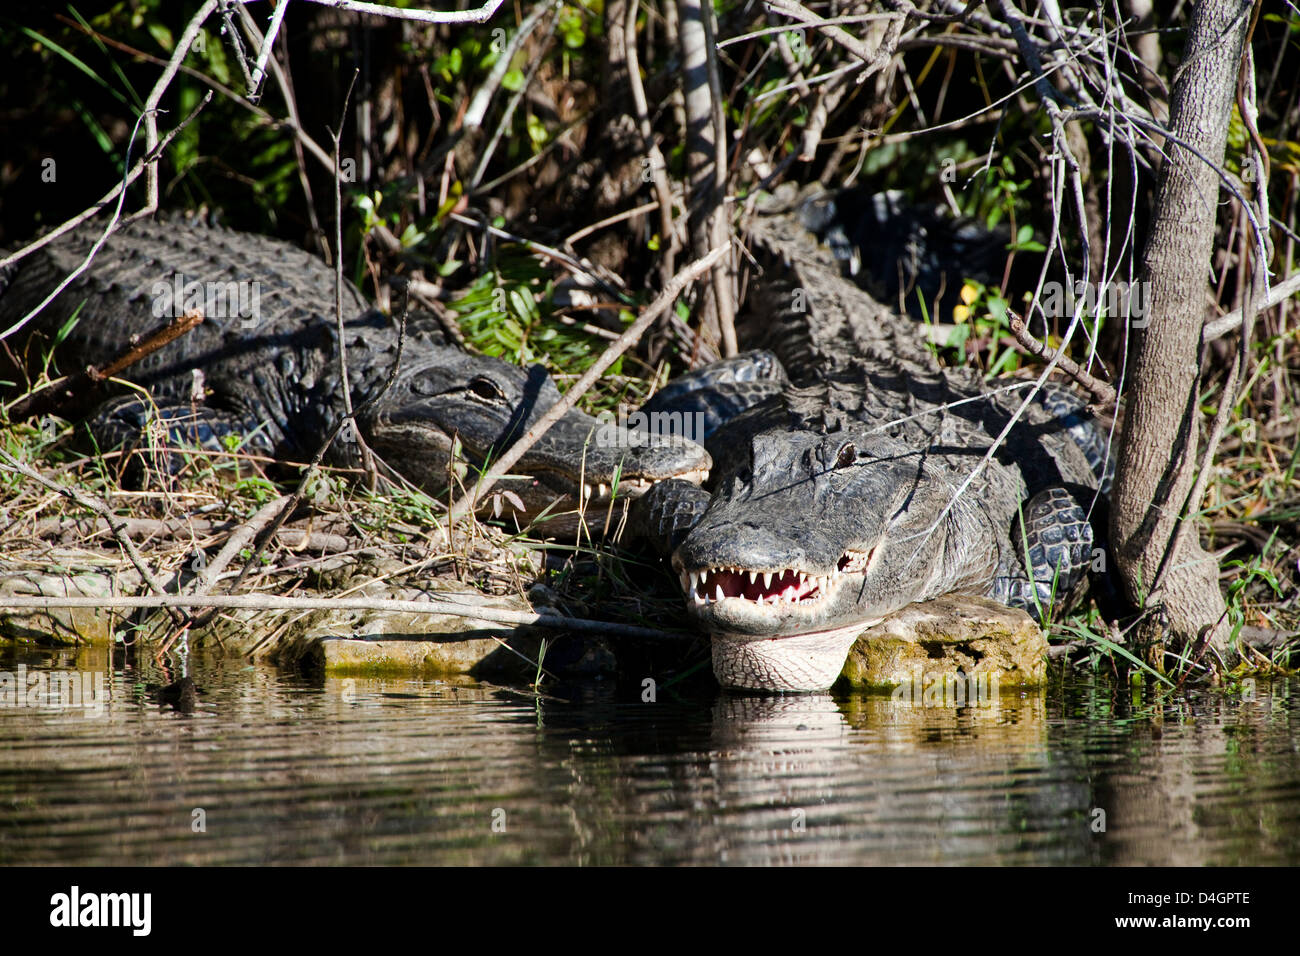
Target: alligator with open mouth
{"points": [[862, 476], [263, 366]]}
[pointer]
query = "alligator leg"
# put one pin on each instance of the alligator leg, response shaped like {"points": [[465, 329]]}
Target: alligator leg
{"points": [[665, 514], [1053, 540], [1088, 433], [166, 433], [702, 401]]}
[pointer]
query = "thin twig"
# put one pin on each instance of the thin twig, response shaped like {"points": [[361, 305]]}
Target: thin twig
{"points": [[1103, 394], [259, 71], [367, 460], [53, 395], [150, 111], [1218, 328], [118, 192], [477, 15]]}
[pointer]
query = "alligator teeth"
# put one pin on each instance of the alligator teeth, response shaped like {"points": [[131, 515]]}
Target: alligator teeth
{"points": [[786, 586], [602, 490]]}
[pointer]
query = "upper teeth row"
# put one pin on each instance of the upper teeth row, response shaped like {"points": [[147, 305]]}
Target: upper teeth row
{"points": [[641, 484], [691, 581]]}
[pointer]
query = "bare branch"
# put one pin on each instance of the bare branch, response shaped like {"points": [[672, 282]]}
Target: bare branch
{"points": [[1101, 392], [268, 42], [267, 602], [478, 15]]}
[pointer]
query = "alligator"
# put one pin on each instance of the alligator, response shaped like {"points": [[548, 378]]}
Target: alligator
{"points": [[855, 475], [914, 256], [263, 366]]}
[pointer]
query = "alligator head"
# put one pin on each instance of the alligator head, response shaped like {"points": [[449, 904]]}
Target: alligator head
{"points": [[814, 540], [439, 400]]}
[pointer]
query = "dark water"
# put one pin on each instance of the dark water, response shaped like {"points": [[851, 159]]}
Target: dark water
{"points": [[279, 769]]}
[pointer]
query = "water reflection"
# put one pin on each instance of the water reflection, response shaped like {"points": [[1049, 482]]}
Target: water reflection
{"points": [[267, 767]]}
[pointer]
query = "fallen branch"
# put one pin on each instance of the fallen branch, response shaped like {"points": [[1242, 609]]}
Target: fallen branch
{"points": [[90, 502], [268, 602], [66, 528], [238, 540]]}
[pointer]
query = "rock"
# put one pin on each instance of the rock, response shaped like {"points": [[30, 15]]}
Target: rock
{"points": [[957, 636], [65, 572]]}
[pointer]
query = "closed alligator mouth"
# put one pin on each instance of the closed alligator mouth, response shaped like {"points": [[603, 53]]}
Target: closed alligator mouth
{"points": [[594, 491], [780, 586]]}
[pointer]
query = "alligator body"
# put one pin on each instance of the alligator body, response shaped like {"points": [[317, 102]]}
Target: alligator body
{"points": [[915, 258], [263, 365], [865, 482]]}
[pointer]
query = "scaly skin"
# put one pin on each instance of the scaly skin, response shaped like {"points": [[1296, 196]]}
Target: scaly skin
{"points": [[835, 501], [272, 376]]}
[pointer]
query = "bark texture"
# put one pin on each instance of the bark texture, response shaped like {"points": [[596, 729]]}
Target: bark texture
{"points": [[1158, 451]]}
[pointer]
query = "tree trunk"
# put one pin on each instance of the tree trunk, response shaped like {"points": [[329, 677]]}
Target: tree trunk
{"points": [[1158, 451], [706, 170]]}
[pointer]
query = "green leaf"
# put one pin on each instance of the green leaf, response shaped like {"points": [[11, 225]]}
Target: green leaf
{"points": [[998, 308], [537, 133], [513, 80], [162, 36], [412, 237]]}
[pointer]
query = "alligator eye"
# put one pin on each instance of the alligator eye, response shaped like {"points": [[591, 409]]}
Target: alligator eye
{"points": [[487, 390], [848, 455]]}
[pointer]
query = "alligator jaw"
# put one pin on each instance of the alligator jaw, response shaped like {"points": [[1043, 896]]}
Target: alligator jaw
{"points": [[596, 492], [801, 663], [556, 493], [764, 598]]}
